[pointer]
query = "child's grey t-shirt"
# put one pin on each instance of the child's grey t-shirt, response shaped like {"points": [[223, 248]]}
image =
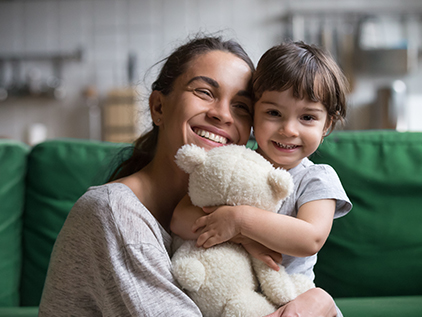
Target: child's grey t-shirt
{"points": [[312, 182]]}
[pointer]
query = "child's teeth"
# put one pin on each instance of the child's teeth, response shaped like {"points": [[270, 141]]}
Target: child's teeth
{"points": [[288, 147]]}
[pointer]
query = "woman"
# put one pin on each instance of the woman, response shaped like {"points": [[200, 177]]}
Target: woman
{"points": [[112, 256]]}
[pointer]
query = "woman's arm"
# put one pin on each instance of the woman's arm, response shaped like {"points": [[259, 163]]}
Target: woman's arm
{"points": [[301, 236], [184, 216], [314, 302]]}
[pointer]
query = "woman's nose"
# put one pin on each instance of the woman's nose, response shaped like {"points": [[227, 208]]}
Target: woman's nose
{"points": [[221, 111]]}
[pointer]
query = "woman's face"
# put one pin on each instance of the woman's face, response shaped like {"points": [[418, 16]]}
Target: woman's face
{"points": [[209, 105]]}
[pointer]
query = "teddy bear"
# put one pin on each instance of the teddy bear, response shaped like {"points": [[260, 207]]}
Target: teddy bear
{"points": [[225, 280]]}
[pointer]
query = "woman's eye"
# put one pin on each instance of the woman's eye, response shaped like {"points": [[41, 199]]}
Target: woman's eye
{"points": [[243, 107], [204, 93]]}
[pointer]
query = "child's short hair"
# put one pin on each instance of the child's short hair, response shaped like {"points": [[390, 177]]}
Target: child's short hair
{"points": [[310, 71]]}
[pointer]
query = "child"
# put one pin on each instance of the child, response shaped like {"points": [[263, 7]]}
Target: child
{"points": [[300, 96]]}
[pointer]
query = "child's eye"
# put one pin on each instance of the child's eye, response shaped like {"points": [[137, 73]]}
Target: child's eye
{"points": [[308, 118], [273, 113]]}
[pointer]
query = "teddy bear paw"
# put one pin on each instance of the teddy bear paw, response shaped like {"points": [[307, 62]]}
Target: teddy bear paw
{"points": [[248, 304], [190, 273]]}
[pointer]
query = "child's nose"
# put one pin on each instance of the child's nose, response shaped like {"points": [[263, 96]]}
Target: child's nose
{"points": [[289, 128]]}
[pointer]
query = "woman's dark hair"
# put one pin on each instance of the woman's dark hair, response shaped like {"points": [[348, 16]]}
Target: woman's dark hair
{"points": [[143, 149], [309, 70]]}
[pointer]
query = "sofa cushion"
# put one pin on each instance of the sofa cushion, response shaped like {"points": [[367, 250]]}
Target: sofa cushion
{"points": [[409, 306], [18, 311], [59, 172], [375, 250], [12, 194]]}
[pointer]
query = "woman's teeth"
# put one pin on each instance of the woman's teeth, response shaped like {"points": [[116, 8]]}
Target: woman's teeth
{"points": [[286, 146], [211, 136]]}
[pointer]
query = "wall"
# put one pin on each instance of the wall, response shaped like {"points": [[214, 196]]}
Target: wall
{"points": [[109, 30]]}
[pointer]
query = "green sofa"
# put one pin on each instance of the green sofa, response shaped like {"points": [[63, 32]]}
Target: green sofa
{"points": [[371, 263]]}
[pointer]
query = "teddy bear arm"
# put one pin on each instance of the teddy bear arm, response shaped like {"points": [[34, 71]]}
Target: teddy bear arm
{"points": [[189, 273], [187, 269], [248, 304], [279, 286], [281, 182]]}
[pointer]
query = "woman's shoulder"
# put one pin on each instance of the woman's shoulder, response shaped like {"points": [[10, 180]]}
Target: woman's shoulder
{"points": [[115, 206], [106, 194], [103, 200]]}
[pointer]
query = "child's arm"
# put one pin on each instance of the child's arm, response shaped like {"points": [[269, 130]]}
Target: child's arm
{"points": [[260, 252], [185, 215], [301, 236]]}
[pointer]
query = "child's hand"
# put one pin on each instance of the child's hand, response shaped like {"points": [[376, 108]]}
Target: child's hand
{"points": [[219, 226], [262, 253]]}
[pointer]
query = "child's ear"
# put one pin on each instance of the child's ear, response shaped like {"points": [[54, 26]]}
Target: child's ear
{"points": [[156, 106], [328, 124]]}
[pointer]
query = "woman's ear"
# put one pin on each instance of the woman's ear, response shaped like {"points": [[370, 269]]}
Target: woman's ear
{"points": [[156, 106]]}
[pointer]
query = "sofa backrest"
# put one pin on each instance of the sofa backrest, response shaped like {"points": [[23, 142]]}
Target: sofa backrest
{"points": [[59, 172], [12, 192], [376, 249]]}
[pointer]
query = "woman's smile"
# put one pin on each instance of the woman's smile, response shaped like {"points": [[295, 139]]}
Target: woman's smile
{"points": [[211, 136]]}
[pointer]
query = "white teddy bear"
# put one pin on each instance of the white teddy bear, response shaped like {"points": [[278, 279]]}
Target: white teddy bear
{"points": [[224, 280]]}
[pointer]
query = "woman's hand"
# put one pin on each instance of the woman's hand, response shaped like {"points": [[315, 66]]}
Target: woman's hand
{"points": [[313, 303]]}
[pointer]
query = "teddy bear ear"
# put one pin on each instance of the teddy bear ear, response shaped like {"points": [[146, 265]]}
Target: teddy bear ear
{"points": [[189, 156], [281, 182]]}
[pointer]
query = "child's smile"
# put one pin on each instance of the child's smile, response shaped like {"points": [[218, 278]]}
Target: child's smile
{"points": [[286, 146]]}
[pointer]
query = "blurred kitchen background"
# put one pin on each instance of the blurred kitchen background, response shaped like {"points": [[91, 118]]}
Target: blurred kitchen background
{"points": [[82, 68]]}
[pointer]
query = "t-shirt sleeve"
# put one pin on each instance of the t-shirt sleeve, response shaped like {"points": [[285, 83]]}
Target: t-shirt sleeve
{"points": [[322, 182]]}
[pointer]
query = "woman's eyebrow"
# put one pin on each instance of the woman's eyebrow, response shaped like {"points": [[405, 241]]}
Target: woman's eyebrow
{"points": [[214, 83], [245, 93], [208, 80]]}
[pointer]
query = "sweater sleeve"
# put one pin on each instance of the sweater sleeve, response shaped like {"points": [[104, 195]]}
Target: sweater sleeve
{"points": [[141, 282], [111, 259]]}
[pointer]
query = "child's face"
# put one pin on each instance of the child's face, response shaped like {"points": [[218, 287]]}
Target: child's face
{"points": [[288, 129]]}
